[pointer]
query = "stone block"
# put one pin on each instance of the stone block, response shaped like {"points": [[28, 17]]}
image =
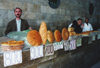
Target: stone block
{"points": [[2, 30], [33, 7], [3, 14], [47, 9], [39, 10], [11, 14]]}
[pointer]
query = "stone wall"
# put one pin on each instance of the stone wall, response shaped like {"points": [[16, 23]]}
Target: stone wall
{"points": [[36, 11]]}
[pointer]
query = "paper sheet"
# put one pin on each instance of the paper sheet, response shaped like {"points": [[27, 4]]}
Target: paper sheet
{"points": [[93, 38], [79, 42], [36, 52], [58, 46], [49, 50], [66, 45], [98, 36], [12, 57], [72, 45]]}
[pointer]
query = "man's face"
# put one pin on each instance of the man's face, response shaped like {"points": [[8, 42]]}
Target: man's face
{"points": [[79, 22], [18, 13], [86, 20]]}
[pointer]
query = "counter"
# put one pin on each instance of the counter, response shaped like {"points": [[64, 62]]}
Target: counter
{"points": [[81, 57]]}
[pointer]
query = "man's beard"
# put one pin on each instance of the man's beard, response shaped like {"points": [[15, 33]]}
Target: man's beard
{"points": [[86, 22], [18, 16]]}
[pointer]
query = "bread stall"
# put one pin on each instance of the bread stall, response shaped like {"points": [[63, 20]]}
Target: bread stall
{"points": [[36, 47]]}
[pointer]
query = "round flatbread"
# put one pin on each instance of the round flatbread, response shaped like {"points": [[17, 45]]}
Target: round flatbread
{"points": [[34, 38], [57, 35], [70, 29], [72, 33], [43, 32], [50, 36], [65, 34], [12, 43]]}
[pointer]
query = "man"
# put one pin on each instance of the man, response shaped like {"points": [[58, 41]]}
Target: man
{"points": [[78, 26], [79, 20], [17, 24], [87, 26]]}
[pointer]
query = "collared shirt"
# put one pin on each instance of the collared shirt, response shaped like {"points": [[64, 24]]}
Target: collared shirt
{"points": [[87, 27], [18, 22]]}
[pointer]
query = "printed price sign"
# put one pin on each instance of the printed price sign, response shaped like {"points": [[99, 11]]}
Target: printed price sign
{"points": [[36, 52], [58, 46], [98, 36], [79, 42], [72, 45], [90, 40], [12, 57], [66, 45], [49, 50]]}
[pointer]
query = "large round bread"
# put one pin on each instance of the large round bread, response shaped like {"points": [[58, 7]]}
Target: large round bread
{"points": [[43, 32], [57, 35], [34, 38], [50, 36], [70, 29], [65, 34], [72, 33]]}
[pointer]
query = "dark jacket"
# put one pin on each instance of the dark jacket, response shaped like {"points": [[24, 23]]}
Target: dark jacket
{"points": [[13, 27], [77, 28]]}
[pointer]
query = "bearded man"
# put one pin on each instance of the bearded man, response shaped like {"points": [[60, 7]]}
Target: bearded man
{"points": [[17, 24]]}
